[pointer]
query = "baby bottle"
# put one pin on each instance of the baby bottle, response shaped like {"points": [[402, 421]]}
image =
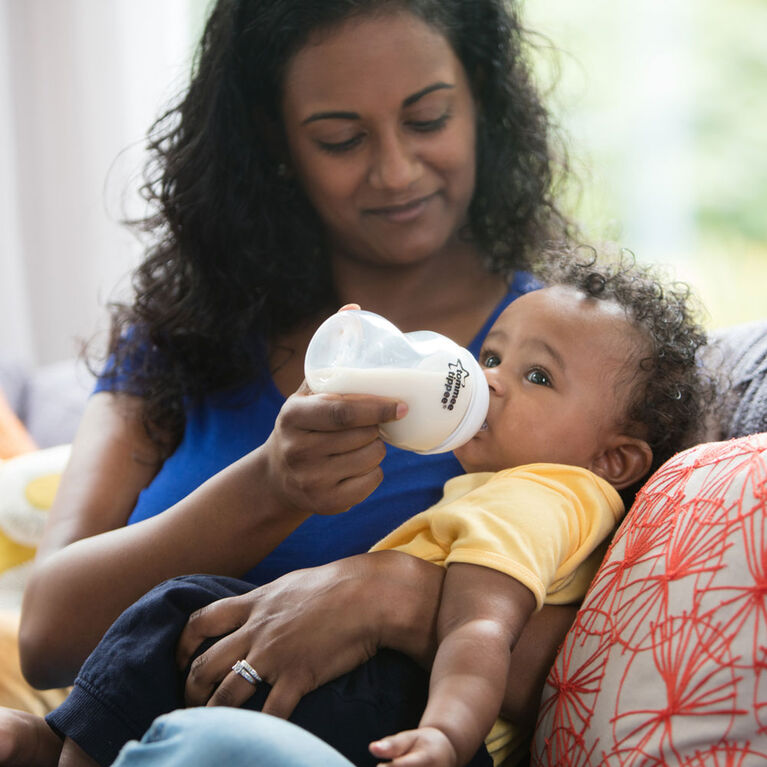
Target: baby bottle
{"points": [[359, 352]]}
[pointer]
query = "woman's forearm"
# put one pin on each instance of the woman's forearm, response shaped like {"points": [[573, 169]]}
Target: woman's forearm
{"points": [[409, 605], [75, 593], [322, 457]]}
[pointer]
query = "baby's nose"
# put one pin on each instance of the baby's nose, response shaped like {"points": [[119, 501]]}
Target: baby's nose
{"points": [[494, 380]]}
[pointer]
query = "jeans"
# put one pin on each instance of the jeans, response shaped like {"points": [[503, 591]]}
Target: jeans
{"points": [[235, 737]]}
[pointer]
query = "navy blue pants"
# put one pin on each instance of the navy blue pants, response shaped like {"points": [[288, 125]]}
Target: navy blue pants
{"points": [[131, 678]]}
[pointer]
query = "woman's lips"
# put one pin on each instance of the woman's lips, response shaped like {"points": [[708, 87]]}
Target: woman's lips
{"points": [[402, 213]]}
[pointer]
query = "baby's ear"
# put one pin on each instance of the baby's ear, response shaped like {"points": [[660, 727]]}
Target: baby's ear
{"points": [[624, 462]]}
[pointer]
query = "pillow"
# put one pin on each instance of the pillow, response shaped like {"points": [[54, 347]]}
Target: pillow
{"points": [[667, 660]]}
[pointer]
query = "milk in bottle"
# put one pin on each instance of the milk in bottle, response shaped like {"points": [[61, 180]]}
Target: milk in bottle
{"points": [[360, 352]]}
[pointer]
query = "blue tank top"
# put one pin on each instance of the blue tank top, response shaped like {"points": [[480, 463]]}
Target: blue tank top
{"points": [[224, 426]]}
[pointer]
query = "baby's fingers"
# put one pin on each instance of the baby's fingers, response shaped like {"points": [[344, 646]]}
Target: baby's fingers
{"points": [[424, 747], [395, 745]]}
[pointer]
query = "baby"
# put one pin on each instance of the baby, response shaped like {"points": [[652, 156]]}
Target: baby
{"points": [[583, 375], [593, 383]]}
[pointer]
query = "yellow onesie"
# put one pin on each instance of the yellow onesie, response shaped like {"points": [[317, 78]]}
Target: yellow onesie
{"points": [[541, 523]]}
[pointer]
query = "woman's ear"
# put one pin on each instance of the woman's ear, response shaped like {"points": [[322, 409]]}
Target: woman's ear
{"points": [[624, 462]]}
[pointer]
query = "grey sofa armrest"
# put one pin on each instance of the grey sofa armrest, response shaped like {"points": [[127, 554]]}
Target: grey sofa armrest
{"points": [[13, 379], [54, 400], [49, 399], [738, 355]]}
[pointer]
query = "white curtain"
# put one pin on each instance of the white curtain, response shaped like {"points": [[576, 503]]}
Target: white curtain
{"points": [[80, 82]]}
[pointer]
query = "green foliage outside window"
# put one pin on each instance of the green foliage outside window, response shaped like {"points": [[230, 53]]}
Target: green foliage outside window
{"points": [[664, 107]]}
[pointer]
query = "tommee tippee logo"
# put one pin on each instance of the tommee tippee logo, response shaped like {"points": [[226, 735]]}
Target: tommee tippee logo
{"points": [[455, 380]]}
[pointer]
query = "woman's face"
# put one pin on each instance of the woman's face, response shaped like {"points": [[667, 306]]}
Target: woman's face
{"points": [[380, 125]]}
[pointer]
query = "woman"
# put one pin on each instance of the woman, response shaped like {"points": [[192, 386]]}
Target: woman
{"points": [[392, 154]]}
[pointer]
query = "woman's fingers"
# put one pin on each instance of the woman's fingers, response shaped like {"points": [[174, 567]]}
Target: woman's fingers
{"points": [[333, 488], [284, 697], [336, 605], [214, 620], [236, 687], [335, 412], [356, 445], [208, 670], [322, 442]]}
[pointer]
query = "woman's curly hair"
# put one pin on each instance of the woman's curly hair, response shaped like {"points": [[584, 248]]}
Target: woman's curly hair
{"points": [[671, 390], [238, 254]]}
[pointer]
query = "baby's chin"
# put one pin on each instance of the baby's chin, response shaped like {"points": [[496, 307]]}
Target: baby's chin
{"points": [[463, 454]]}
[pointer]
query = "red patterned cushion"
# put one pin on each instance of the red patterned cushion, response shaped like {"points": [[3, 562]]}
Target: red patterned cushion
{"points": [[667, 660]]}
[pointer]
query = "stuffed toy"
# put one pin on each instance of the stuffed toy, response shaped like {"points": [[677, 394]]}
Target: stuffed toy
{"points": [[14, 437], [28, 483]]}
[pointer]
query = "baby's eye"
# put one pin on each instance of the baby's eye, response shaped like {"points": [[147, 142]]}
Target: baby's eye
{"points": [[538, 377], [491, 360]]}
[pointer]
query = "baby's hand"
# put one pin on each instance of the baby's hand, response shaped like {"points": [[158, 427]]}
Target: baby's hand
{"points": [[424, 747]]}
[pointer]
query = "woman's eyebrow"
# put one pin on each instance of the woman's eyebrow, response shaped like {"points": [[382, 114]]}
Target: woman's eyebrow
{"points": [[343, 115], [410, 100], [330, 116]]}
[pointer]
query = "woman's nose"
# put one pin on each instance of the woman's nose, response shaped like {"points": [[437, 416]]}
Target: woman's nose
{"points": [[395, 165]]}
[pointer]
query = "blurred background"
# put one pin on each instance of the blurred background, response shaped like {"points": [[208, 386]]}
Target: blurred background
{"points": [[664, 107], [662, 104]]}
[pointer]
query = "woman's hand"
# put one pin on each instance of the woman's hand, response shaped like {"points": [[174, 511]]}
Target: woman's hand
{"points": [[311, 626], [324, 453]]}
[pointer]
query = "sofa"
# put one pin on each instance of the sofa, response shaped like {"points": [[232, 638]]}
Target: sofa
{"points": [[666, 662], [48, 399]]}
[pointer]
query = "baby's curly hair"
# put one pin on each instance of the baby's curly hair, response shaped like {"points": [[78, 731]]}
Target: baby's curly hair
{"points": [[669, 396]]}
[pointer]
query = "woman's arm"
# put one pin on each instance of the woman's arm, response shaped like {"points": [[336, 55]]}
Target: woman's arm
{"points": [[322, 457], [314, 625], [531, 660], [112, 459]]}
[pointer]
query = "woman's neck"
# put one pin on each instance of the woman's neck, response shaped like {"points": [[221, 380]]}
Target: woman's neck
{"points": [[452, 295]]}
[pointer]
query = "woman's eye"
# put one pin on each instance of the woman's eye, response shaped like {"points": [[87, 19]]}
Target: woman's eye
{"points": [[538, 377], [427, 126], [338, 147], [491, 361]]}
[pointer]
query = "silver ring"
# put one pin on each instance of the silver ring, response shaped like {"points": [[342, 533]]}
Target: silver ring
{"points": [[247, 672]]}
